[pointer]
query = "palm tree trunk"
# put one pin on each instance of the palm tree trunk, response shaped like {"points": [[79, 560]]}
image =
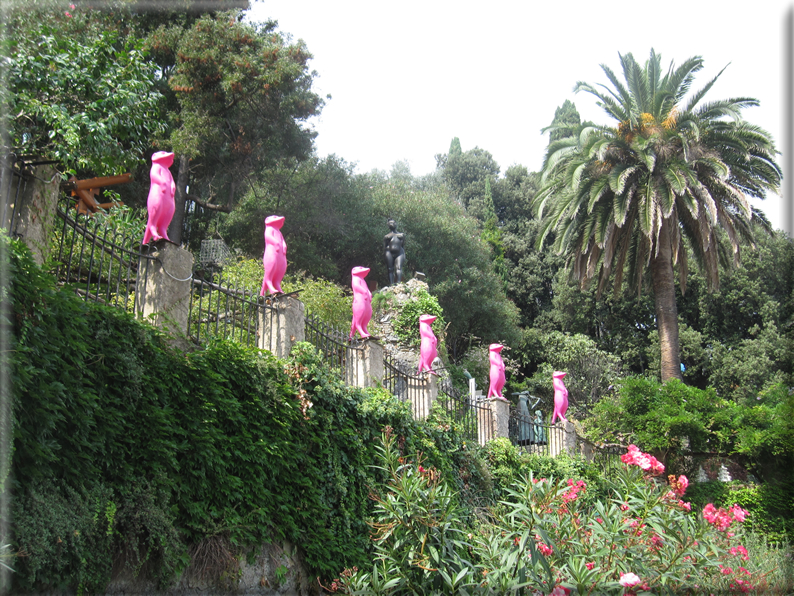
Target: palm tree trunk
{"points": [[666, 309]]}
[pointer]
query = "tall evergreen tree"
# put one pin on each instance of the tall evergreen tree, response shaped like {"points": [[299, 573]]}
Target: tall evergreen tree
{"points": [[566, 122]]}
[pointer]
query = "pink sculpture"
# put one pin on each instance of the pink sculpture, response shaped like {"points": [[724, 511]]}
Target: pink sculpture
{"points": [[160, 203], [275, 259], [427, 348], [497, 373], [560, 396], [362, 303]]}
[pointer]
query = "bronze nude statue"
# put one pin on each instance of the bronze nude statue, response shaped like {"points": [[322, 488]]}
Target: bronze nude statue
{"points": [[394, 245]]}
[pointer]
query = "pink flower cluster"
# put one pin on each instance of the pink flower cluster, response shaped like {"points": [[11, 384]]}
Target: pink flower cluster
{"points": [[738, 584], [544, 548], [740, 551], [635, 457], [678, 485], [723, 518], [573, 493]]}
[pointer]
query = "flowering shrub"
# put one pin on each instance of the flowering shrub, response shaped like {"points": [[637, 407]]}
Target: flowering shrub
{"points": [[544, 539]]}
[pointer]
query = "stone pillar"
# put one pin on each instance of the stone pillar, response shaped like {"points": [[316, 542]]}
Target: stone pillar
{"points": [[570, 440], [365, 367], [163, 286], [422, 392], [500, 415], [35, 211], [283, 324], [562, 437]]}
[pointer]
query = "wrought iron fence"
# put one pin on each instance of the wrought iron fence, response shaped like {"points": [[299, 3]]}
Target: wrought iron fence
{"points": [[607, 457], [228, 312], [472, 416], [407, 385], [337, 350], [534, 435], [99, 261]]}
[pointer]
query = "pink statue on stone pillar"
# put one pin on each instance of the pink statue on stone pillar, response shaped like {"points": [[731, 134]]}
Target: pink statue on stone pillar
{"points": [[427, 348], [160, 203], [560, 396], [362, 303], [275, 259], [497, 373]]}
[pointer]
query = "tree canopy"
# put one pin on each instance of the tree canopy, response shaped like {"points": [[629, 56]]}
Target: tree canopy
{"points": [[81, 91], [657, 188]]}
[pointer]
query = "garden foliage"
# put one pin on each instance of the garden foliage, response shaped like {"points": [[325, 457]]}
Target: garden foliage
{"points": [[223, 445], [546, 538]]}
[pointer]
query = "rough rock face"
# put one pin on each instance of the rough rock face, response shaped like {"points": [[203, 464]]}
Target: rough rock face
{"points": [[383, 320]]}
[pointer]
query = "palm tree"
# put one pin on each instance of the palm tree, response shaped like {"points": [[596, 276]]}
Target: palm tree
{"points": [[668, 183]]}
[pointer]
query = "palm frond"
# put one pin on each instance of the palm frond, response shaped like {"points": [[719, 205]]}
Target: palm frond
{"points": [[698, 95]]}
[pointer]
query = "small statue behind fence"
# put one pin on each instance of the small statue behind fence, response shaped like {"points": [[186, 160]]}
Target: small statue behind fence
{"points": [[275, 259], [428, 347], [362, 303], [160, 203], [394, 245], [497, 372], [560, 397]]}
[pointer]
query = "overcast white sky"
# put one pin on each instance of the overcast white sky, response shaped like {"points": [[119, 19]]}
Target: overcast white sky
{"points": [[405, 78]]}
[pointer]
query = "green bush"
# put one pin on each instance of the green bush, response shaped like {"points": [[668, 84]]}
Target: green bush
{"points": [[673, 419], [406, 325], [548, 538], [770, 504], [64, 537]]}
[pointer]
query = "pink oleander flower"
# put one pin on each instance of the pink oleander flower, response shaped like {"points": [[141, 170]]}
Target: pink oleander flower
{"points": [[72, 6], [645, 461], [629, 580], [544, 548], [575, 488], [722, 518], [740, 551], [560, 591], [589, 566], [725, 570], [657, 541], [678, 485], [67, 15], [687, 506], [739, 514]]}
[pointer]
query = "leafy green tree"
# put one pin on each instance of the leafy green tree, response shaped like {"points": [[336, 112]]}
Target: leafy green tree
{"points": [[81, 89], [656, 188], [330, 225], [444, 243], [240, 94], [466, 173], [591, 371]]}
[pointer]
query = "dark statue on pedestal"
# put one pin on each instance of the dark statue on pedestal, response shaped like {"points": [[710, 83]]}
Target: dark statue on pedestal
{"points": [[394, 245]]}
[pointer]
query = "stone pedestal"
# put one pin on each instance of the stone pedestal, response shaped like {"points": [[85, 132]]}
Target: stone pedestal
{"points": [[34, 209], [282, 324], [163, 286], [365, 365], [562, 437], [500, 416], [423, 392]]}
